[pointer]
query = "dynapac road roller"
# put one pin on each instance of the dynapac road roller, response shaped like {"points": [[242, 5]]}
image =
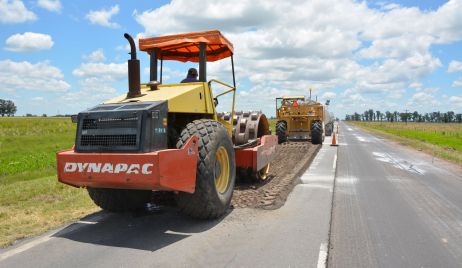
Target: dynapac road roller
{"points": [[168, 137]]}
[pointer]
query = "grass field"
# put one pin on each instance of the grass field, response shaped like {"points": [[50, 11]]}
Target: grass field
{"points": [[442, 140], [31, 199], [272, 123]]}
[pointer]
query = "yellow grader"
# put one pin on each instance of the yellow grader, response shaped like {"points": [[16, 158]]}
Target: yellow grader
{"points": [[168, 137], [300, 119]]}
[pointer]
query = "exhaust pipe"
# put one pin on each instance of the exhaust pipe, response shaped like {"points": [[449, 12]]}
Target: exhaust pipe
{"points": [[133, 71]]}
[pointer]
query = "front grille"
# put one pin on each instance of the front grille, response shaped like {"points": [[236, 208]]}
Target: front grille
{"points": [[108, 140], [125, 127], [106, 123], [110, 132]]}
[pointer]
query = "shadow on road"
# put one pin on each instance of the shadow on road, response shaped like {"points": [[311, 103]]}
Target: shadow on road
{"points": [[140, 230]]}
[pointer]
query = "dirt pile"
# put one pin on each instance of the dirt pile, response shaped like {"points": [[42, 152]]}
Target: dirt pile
{"points": [[291, 161]]}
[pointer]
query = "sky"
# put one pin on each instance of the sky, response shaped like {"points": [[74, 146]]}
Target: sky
{"points": [[62, 57]]}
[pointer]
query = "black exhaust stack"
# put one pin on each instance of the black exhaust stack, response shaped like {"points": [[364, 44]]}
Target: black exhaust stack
{"points": [[133, 71]]}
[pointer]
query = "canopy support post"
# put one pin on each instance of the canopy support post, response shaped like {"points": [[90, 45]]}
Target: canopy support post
{"points": [[202, 62], [153, 66]]}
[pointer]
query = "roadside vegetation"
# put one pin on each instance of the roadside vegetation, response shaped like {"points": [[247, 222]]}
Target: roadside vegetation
{"points": [[31, 199], [439, 139], [272, 124]]}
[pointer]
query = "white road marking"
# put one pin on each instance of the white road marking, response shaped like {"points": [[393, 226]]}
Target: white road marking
{"points": [[25, 247], [361, 138], [399, 163], [37, 241], [334, 165], [322, 258], [346, 180], [178, 233], [87, 222]]}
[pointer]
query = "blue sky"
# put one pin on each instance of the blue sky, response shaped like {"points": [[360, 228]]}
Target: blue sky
{"points": [[65, 56]]}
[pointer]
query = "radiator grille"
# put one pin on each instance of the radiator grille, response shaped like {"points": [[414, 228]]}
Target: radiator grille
{"points": [[105, 123], [103, 132], [125, 127], [108, 140]]}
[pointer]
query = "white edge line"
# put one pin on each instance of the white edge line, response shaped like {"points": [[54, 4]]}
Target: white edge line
{"points": [[24, 247], [334, 165], [322, 258], [44, 239]]}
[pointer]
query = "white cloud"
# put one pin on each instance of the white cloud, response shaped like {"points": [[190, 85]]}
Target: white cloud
{"points": [[457, 100], [457, 83], [28, 42], [14, 11], [381, 52], [24, 75], [423, 99], [38, 99], [50, 5], [96, 82], [455, 66], [103, 17], [328, 95], [109, 71], [95, 56]]}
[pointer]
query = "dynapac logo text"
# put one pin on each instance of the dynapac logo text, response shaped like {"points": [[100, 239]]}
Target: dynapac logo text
{"points": [[108, 168]]}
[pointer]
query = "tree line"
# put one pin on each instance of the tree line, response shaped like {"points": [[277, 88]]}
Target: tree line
{"points": [[7, 107], [433, 117]]}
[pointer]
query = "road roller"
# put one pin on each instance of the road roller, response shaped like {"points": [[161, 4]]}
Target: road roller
{"points": [[169, 137]]}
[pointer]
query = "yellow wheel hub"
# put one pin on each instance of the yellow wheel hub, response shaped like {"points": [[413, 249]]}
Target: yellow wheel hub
{"points": [[262, 174], [222, 170]]}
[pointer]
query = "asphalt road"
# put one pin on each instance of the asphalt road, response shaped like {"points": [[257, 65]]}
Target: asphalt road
{"points": [[295, 235], [393, 206], [388, 206]]}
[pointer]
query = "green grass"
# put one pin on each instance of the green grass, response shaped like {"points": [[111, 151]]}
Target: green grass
{"points": [[272, 123], [443, 140], [31, 199]]}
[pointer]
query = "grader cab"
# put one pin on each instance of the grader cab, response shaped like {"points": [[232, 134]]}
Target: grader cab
{"points": [[300, 119], [168, 137]]}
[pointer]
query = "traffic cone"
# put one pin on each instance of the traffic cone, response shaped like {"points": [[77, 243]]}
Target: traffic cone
{"points": [[334, 140]]}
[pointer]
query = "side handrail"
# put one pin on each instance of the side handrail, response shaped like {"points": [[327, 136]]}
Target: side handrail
{"points": [[224, 84]]}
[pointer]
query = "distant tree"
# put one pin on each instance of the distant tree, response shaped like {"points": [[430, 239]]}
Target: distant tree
{"points": [[7, 107], [415, 116], [2, 107], [451, 116], [378, 115], [10, 108], [404, 117], [371, 115], [459, 118], [388, 116], [44, 115]]}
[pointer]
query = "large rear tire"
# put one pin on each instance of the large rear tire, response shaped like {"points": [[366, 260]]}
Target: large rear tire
{"points": [[281, 127], [316, 132], [216, 171], [119, 200]]}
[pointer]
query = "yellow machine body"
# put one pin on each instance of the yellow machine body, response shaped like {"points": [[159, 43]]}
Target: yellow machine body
{"points": [[186, 98], [299, 114]]}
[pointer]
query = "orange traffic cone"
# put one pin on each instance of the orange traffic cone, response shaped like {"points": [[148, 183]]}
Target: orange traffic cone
{"points": [[334, 140]]}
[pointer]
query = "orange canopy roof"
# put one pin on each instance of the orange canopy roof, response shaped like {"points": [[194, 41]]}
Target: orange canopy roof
{"points": [[185, 47]]}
